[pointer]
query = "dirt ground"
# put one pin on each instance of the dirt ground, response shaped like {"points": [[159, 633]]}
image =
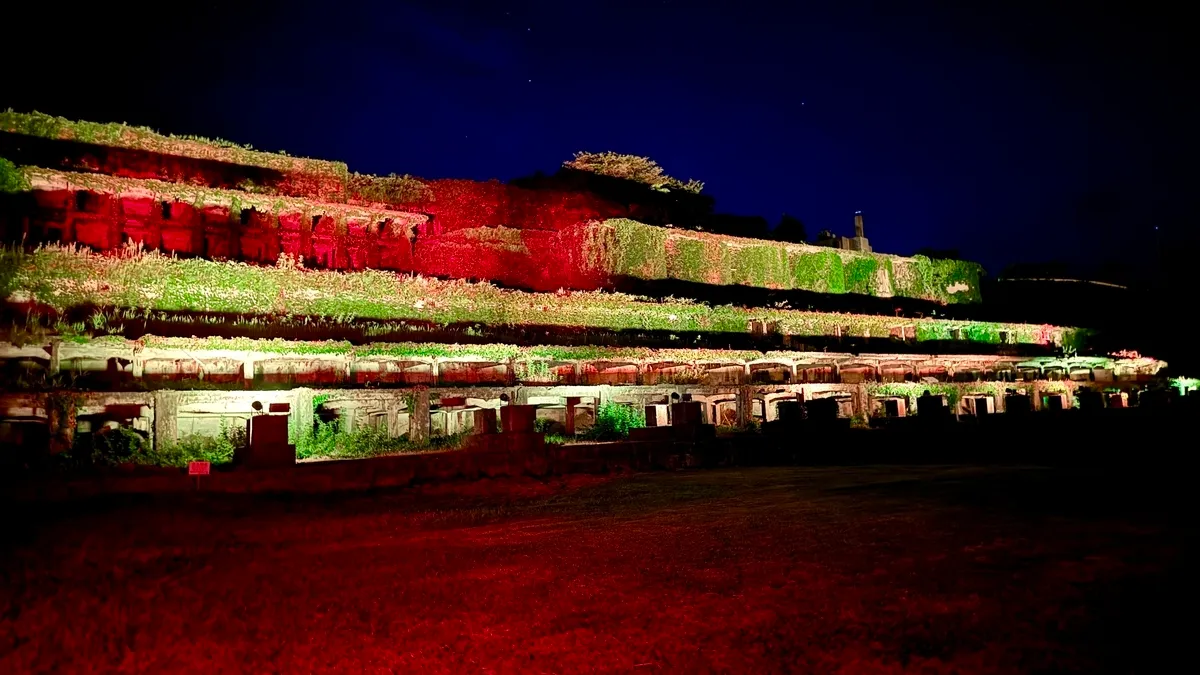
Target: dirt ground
{"points": [[847, 570]]}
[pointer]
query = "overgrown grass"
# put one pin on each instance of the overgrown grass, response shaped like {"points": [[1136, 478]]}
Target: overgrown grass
{"points": [[125, 446], [328, 441], [196, 448], [66, 278], [144, 138]]}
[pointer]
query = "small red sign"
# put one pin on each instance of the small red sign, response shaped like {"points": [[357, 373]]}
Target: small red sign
{"points": [[198, 468]]}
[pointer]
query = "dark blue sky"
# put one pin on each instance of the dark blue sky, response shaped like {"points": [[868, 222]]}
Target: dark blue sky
{"points": [[1007, 130]]}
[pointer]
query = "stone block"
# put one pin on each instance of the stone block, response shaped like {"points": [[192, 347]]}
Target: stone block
{"points": [[651, 434], [789, 412], [485, 421], [268, 445], [656, 415], [686, 413], [518, 418]]}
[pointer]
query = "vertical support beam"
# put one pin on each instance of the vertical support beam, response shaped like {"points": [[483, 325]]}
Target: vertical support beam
{"points": [[154, 222], [418, 416], [569, 422], [861, 400], [138, 366], [248, 365], [745, 405], [166, 418], [300, 421], [196, 227], [116, 220], [393, 418], [55, 356]]}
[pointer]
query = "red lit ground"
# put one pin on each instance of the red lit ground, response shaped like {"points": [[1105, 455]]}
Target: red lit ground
{"points": [[859, 570]]}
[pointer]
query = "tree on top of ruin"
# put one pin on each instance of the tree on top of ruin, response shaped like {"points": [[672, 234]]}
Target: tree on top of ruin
{"points": [[631, 167]]}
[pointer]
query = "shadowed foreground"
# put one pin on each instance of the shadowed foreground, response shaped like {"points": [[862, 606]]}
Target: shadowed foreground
{"points": [[876, 569]]}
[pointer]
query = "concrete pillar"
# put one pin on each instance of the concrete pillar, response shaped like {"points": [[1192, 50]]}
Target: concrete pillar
{"points": [[300, 421], [418, 416], [745, 405], [484, 422], [860, 400], [572, 401], [393, 418], [248, 372], [139, 367], [55, 356], [166, 418]]}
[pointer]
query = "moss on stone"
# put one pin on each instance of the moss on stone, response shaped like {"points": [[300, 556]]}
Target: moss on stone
{"points": [[687, 261], [641, 250], [860, 276]]}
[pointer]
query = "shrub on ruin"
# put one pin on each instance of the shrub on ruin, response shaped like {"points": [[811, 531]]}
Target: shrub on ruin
{"points": [[113, 447], [217, 449], [631, 167], [390, 189], [613, 422]]}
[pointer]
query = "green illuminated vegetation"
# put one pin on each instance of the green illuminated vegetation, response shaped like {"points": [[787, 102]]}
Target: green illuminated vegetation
{"points": [[66, 278], [613, 422], [144, 138], [650, 252], [12, 179], [329, 441], [631, 167]]}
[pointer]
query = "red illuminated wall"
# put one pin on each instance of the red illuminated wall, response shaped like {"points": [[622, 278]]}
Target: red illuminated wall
{"points": [[462, 204]]}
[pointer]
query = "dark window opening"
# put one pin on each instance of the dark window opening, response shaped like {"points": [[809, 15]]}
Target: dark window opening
{"points": [[316, 221], [955, 333], [166, 210], [81, 200], [245, 216], [1003, 337]]}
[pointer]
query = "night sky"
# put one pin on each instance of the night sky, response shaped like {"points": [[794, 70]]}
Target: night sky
{"points": [[1009, 131]]}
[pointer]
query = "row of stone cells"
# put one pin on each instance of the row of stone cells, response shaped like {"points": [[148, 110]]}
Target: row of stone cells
{"points": [[105, 222], [317, 372], [535, 259]]}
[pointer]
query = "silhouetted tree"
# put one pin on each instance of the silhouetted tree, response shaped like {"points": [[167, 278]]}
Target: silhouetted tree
{"points": [[940, 253], [790, 229], [754, 227]]}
